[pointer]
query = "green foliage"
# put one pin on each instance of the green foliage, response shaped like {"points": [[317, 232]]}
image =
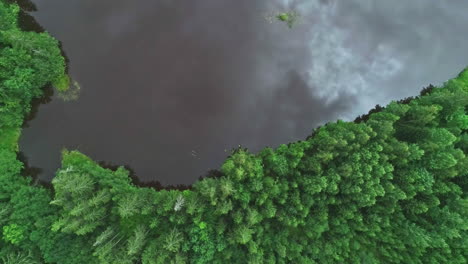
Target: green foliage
{"points": [[202, 243], [110, 247], [73, 191], [62, 83], [28, 61], [128, 205], [10, 138], [173, 240], [9, 16], [137, 241], [283, 16], [290, 18], [13, 233], [19, 258], [62, 248]]}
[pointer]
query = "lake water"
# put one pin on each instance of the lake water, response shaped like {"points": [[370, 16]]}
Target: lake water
{"points": [[169, 86]]}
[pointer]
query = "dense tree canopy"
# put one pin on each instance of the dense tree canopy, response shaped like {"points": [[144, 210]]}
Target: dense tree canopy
{"points": [[388, 188]]}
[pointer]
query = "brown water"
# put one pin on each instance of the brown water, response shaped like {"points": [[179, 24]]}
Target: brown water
{"points": [[168, 86]]}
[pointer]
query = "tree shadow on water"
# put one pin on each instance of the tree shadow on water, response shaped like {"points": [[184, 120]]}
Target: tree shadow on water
{"points": [[137, 182], [33, 172], [48, 92], [155, 184], [26, 22]]}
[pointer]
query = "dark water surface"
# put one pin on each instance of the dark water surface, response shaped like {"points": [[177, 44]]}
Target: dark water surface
{"points": [[168, 86]]}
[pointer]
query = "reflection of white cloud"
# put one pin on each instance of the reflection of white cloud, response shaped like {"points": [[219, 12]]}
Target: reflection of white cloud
{"points": [[378, 51], [385, 64], [339, 67]]}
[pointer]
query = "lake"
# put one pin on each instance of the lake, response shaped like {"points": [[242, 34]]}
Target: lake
{"points": [[168, 88]]}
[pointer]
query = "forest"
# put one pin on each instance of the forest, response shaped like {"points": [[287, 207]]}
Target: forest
{"points": [[390, 187]]}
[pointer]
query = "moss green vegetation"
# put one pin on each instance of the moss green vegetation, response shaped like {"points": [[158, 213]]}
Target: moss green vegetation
{"points": [[390, 187], [62, 83], [290, 18], [72, 92], [283, 16]]}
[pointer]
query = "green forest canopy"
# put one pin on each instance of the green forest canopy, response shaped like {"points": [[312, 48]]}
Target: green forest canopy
{"points": [[390, 187]]}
